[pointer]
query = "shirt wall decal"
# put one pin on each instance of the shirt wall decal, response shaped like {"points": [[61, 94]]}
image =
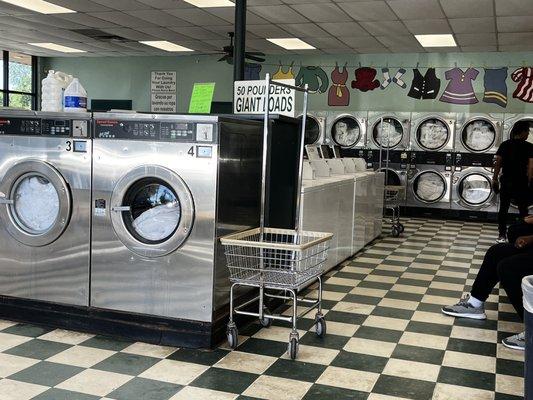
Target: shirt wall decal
{"points": [[425, 87], [280, 74], [495, 86], [339, 95], [365, 79], [524, 79], [315, 77], [460, 89], [252, 71]]}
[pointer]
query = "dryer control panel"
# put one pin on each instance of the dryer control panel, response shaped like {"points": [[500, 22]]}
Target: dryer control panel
{"points": [[153, 130], [49, 127]]}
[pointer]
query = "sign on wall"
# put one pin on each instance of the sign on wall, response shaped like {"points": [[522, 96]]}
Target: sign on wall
{"points": [[249, 98], [163, 88]]}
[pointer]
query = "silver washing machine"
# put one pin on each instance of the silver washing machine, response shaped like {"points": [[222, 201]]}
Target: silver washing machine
{"points": [[478, 133], [511, 119], [45, 201], [347, 130], [472, 190], [394, 134], [429, 182], [164, 192], [315, 127], [432, 132]]}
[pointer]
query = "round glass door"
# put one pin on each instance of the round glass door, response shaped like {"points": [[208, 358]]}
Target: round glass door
{"points": [[312, 130], [475, 189], [432, 134], [389, 134], [393, 179], [346, 131], [36, 203], [530, 137], [152, 211], [429, 187], [478, 135]]}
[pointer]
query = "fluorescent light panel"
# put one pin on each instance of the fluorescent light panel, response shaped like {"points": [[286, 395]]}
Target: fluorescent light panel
{"points": [[292, 44], [40, 6], [57, 47], [164, 45], [210, 3], [436, 40]]}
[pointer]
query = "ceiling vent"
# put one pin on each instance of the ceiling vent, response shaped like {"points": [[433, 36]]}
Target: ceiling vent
{"points": [[102, 36]]}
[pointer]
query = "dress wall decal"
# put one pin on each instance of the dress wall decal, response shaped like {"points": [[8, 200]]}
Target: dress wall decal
{"points": [[339, 95], [460, 89]]}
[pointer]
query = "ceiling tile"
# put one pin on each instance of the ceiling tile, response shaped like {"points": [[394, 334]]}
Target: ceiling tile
{"points": [[322, 12], [469, 8], [304, 30], [513, 7], [326, 42], [267, 31], [85, 19], [478, 49], [415, 9], [343, 29], [341, 50], [123, 5], [228, 15], [165, 4], [398, 40], [368, 11], [516, 47], [515, 24], [278, 14], [81, 5], [383, 28], [156, 17], [407, 49], [360, 41], [131, 34], [473, 39], [196, 32], [50, 20], [473, 25], [509, 39], [120, 18], [428, 26], [196, 16], [163, 33]]}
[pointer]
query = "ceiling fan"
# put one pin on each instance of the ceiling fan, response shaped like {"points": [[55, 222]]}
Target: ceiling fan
{"points": [[228, 52]]}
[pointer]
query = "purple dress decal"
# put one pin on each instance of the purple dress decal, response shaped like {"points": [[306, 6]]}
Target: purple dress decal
{"points": [[459, 89]]}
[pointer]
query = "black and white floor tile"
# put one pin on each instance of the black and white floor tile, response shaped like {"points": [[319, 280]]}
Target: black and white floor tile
{"points": [[386, 340]]}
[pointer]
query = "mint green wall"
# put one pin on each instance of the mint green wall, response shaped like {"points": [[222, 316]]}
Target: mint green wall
{"points": [[129, 78]]}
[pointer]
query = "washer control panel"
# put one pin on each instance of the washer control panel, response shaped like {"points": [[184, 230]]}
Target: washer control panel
{"points": [[49, 127]]}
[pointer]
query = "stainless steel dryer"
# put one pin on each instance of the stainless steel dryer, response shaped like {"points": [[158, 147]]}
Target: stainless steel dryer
{"points": [[430, 180], [395, 168], [392, 134], [511, 119], [164, 192], [315, 127], [347, 130], [472, 190], [478, 133], [45, 201], [432, 132]]}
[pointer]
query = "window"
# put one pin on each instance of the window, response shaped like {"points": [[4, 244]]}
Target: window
{"points": [[18, 76]]}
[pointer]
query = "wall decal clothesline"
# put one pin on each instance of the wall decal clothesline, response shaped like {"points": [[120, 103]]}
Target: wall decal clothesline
{"points": [[359, 65]]}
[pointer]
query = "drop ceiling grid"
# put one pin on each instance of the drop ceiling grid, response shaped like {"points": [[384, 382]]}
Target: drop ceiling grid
{"points": [[360, 26]]}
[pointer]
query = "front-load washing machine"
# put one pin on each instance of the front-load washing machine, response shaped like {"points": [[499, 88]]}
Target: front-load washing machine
{"points": [[45, 201], [432, 132], [395, 167], [164, 192], [511, 119], [347, 130], [315, 127], [478, 133], [388, 130], [429, 182]]}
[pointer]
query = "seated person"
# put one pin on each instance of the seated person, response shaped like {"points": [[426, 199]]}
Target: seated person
{"points": [[506, 263]]}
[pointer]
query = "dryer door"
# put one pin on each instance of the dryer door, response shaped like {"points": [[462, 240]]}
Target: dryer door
{"points": [[393, 178], [346, 131], [478, 135], [35, 203], [152, 211], [432, 134], [389, 134], [475, 189], [429, 187], [312, 130]]}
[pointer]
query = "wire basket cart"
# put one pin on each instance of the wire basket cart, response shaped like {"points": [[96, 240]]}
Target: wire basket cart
{"points": [[279, 262]]}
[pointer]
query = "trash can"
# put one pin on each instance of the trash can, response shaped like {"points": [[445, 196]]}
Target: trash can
{"points": [[527, 291]]}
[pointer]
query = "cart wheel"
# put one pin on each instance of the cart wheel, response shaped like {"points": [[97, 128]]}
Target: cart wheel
{"points": [[233, 337], [293, 348], [320, 327], [395, 231], [401, 227], [265, 321]]}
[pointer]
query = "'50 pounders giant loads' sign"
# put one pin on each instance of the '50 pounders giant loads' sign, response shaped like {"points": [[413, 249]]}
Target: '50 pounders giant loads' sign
{"points": [[249, 98]]}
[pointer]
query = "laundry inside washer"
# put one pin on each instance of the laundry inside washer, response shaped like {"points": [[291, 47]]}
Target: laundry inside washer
{"points": [[478, 135], [475, 189], [346, 132], [433, 134], [388, 133], [429, 186]]}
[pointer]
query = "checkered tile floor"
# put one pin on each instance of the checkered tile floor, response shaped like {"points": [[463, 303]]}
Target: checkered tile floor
{"points": [[386, 340]]}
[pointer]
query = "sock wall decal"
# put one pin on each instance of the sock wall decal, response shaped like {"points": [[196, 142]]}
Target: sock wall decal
{"points": [[386, 78], [397, 79]]}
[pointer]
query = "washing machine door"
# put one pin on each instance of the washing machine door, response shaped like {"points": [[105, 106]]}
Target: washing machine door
{"points": [[475, 189], [35, 203], [388, 134], [429, 187], [312, 130], [432, 134], [478, 135], [346, 131], [152, 211]]}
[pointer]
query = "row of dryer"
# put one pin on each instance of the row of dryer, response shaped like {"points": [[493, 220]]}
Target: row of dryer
{"points": [[417, 131]]}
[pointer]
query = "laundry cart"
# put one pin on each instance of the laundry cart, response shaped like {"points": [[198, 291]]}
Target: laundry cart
{"points": [[279, 262]]}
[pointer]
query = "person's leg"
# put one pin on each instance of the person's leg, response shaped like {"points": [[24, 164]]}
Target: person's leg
{"points": [[505, 203], [486, 280], [511, 270]]}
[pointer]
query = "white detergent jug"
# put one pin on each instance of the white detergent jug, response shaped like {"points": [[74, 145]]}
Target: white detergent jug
{"points": [[75, 97], [53, 87]]}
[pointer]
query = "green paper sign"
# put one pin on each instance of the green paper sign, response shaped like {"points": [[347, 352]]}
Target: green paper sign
{"points": [[201, 98]]}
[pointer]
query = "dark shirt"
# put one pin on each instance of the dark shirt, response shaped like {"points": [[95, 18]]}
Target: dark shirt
{"points": [[515, 154]]}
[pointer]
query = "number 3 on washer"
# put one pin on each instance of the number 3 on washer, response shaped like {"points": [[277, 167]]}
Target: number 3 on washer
{"points": [[191, 151], [69, 145]]}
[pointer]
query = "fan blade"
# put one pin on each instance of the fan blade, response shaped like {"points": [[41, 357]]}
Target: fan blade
{"points": [[224, 58], [256, 53]]}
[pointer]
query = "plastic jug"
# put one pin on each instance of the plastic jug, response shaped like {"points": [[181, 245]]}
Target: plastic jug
{"points": [[75, 97], [52, 90]]}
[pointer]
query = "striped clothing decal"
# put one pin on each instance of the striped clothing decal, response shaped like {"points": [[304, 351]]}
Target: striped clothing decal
{"points": [[524, 79]]}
